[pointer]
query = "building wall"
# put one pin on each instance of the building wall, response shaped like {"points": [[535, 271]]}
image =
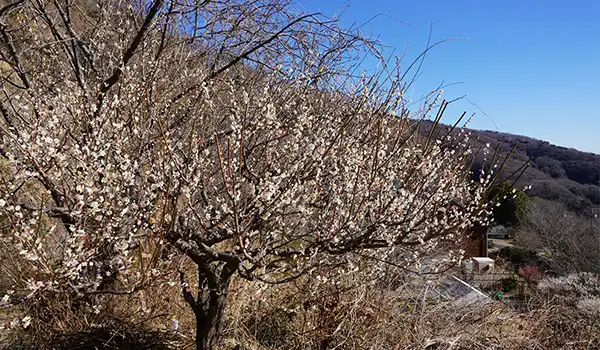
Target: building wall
{"points": [[475, 243]]}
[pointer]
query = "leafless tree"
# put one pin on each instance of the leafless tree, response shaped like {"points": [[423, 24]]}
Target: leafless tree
{"points": [[570, 241]]}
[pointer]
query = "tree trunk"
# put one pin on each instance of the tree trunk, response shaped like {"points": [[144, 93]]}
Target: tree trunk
{"points": [[213, 285], [209, 318]]}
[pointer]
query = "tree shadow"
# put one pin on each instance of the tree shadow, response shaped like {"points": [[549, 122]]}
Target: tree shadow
{"points": [[102, 338], [116, 335]]}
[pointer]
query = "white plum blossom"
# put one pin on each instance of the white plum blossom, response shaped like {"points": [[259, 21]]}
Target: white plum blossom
{"points": [[144, 152]]}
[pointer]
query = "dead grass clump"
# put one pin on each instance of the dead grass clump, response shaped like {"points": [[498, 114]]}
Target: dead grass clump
{"points": [[59, 320], [350, 314]]}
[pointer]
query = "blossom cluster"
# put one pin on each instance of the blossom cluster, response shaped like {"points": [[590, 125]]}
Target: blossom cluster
{"points": [[261, 167]]}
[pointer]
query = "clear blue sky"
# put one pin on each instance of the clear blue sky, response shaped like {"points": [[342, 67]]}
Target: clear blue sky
{"points": [[532, 66]]}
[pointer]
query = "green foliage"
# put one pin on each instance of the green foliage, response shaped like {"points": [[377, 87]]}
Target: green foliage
{"points": [[520, 257], [508, 284], [512, 204]]}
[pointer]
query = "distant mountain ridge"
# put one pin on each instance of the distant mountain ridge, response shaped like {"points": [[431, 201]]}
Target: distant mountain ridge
{"points": [[555, 173]]}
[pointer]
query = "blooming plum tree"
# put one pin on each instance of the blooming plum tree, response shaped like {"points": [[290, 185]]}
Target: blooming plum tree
{"points": [[236, 133]]}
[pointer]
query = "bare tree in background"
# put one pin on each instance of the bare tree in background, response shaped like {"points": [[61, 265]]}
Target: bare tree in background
{"points": [[242, 135], [570, 241]]}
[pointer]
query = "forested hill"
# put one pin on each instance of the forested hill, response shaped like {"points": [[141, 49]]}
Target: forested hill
{"points": [[556, 173]]}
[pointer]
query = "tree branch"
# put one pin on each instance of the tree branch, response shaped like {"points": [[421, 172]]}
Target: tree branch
{"points": [[112, 80], [189, 298]]}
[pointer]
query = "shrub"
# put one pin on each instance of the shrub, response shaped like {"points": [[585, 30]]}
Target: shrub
{"points": [[532, 274], [520, 257], [573, 287]]}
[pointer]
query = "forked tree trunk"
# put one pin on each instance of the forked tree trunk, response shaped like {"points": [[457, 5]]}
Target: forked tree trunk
{"points": [[210, 304]]}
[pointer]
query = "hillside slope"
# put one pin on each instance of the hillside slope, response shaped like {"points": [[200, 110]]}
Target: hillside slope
{"points": [[555, 173]]}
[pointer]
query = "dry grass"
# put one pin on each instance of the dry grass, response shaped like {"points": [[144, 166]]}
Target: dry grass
{"points": [[366, 316], [355, 312]]}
